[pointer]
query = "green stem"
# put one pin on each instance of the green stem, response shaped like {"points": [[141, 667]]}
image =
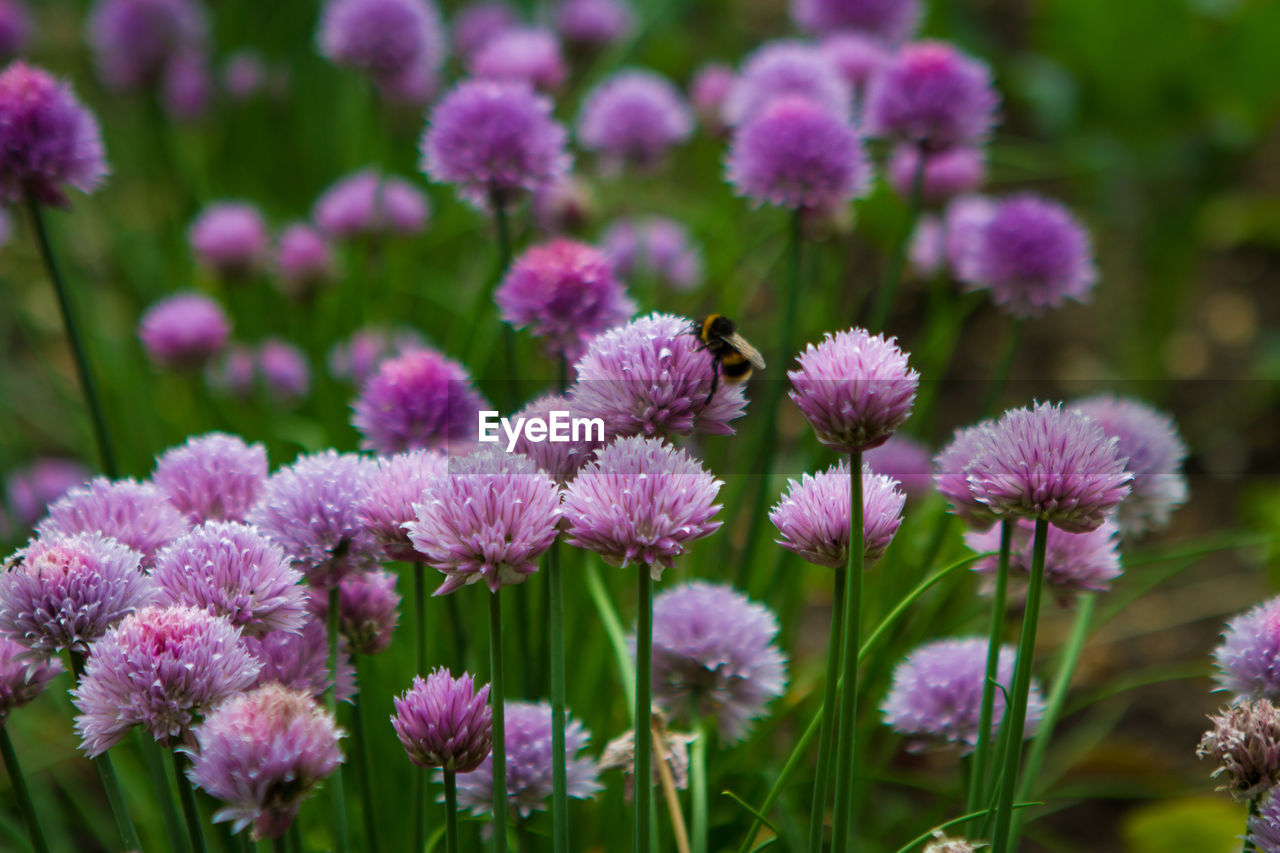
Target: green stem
{"points": [[450, 812], [644, 686], [418, 785], [110, 784], [279, 845], [152, 758], [1017, 713], [559, 783], [698, 786], [847, 731], [106, 453], [893, 270], [295, 838], [336, 786], [1085, 608], [1003, 368], [496, 699], [189, 808], [818, 813], [20, 789], [366, 777], [613, 630], [1249, 846], [503, 227], [977, 789]]}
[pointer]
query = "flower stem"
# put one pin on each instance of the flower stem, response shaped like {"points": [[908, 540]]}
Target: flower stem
{"points": [[977, 789], [450, 812], [893, 271], [503, 227], [1249, 846], [418, 788], [106, 452], [644, 730], [107, 772], [849, 689], [152, 758], [559, 782], [189, 808], [279, 845], [496, 699], [698, 786], [818, 815], [1017, 713], [23, 794], [336, 787], [1003, 368], [366, 777]]}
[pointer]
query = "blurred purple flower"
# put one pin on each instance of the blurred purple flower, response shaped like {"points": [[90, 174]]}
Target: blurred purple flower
{"points": [[15, 28], [368, 610], [905, 460], [654, 246], [188, 86], [857, 56], [304, 260], [134, 41], [137, 514], [30, 490], [934, 96], [417, 400], [525, 55], [1074, 562], [231, 239], [893, 21], [813, 515], [787, 69], [286, 376], [927, 253], [22, 678], [300, 661], [184, 331], [233, 372], [212, 477], [964, 222], [382, 38], [244, 75], [476, 23], [708, 92], [357, 359], [1248, 659], [951, 478], [594, 23], [445, 722], [365, 203], [632, 118], [947, 173], [392, 488]]}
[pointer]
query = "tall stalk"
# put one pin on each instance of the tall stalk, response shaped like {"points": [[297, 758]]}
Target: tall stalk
{"points": [[450, 812], [189, 808], [336, 787], [110, 783], [644, 687], [19, 782], [893, 270], [698, 785], [418, 787], [845, 766], [978, 789], [366, 778], [559, 780], [496, 698], [1003, 368], [821, 779]]}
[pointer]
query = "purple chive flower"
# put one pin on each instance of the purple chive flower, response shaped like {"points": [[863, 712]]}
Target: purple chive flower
{"points": [[495, 141], [796, 154], [184, 331], [245, 74], [188, 86], [936, 698], [304, 260], [15, 28], [159, 668], [263, 753], [892, 21], [951, 477], [231, 239], [134, 41], [365, 203], [528, 746], [232, 570], [564, 292], [368, 610], [905, 460], [47, 137], [714, 656], [632, 118], [285, 374], [22, 679], [1244, 742], [357, 359], [787, 69], [382, 38], [708, 92], [651, 378], [476, 23], [300, 661], [565, 206], [593, 23], [136, 514], [1048, 463], [964, 223], [813, 516], [947, 173], [934, 96], [30, 490], [641, 501], [927, 253], [854, 388], [1033, 255], [1264, 827], [417, 400], [213, 477], [488, 519], [65, 592], [1149, 440], [445, 722], [654, 246], [560, 459], [233, 372], [309, 509], [1248, 659], [858, 57], [1074, 563], [526, 55], [392, 488]]}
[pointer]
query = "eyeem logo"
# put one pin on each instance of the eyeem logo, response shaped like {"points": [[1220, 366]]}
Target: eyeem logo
{"points": [[556, 426]]}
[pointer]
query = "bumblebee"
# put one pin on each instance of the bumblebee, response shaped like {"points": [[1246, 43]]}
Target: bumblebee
{"points": [[732, 357]]}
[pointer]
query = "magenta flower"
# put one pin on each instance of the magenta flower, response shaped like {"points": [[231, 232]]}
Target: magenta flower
{"points": [[15, 28], [708, 92], [366, 203], [233, 372], [526, 55], [22, 679], [417, 400], [304, 260], [560, 459], [1032, 255], [231, 239], [310, 510], [857, 56], [476, 23], [1074, 563], [1154, 453], [358, 358], [232, 570], [300, 661], [787, 69], [936, 698], [654, 246], [159, 668], [184, 331], [905, 460], [892, 21], [651, 377], [643, 501], [382, 38], [48, 140], [1248, 659], [593, 23], [564, 292], [187, 86], [263, 753], [854, 388], [30, 490], [528, 750], [392, 488], [796, 154], [489, 519], [715, 656], [445, 722], [137, 514], [813, 516], [212, 477], [64, 592], [495, 141], [134, 41], [964, 223], [368, 610], [632, 118], [934, 96], [947, 173], [285, 374], [1048, 463]]}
